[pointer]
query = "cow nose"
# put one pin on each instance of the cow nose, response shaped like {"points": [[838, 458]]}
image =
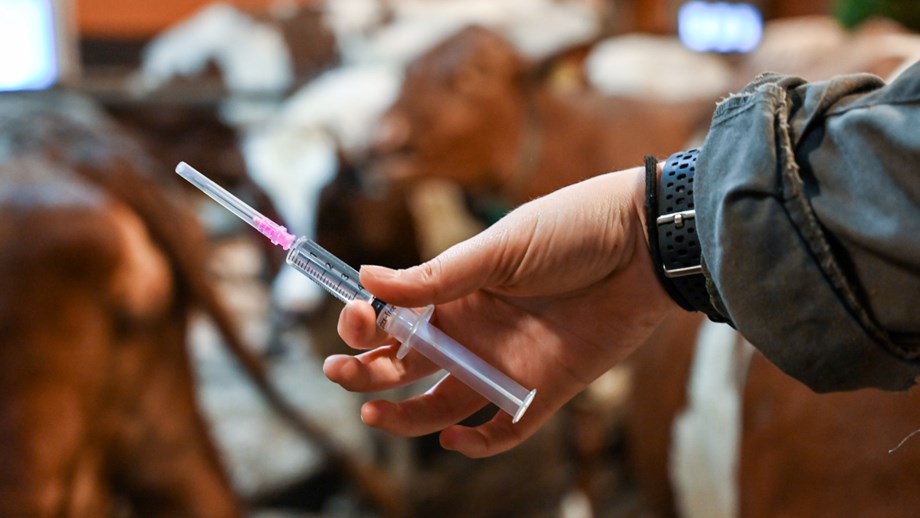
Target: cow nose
{"points": [[392, 134]]}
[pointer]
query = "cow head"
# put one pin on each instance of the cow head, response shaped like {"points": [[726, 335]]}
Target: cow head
{"points": [[459, 114]]}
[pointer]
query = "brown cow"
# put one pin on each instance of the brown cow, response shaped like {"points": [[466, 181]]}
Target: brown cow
{"points": [[98, 411], [100, 266], [96, 388], [797, 453], [471, 110]]}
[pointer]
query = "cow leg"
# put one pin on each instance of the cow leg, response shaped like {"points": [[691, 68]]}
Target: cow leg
{"points": [[51, 461], [660, 373], [170, 465], [45, 467]]}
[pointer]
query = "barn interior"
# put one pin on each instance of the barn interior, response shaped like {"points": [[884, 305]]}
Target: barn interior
{"points": [[159, 358]]}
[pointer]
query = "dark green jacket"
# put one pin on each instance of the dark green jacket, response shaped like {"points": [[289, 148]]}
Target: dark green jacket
{"points": [[808, 213]]}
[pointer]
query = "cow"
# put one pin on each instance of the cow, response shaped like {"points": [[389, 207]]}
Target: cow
{"points": [[290, 45], [474, 111], [715, 429], [101, 265], [290, 149], [98, 407]]}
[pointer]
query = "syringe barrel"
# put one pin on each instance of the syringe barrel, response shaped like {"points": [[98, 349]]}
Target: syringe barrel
{"points": [[334, 275], [412, 328]]}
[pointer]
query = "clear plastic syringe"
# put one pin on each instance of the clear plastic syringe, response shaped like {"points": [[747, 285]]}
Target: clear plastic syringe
{"points": [[410, 326]]}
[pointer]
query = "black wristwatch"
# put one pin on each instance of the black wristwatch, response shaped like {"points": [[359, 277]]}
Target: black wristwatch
{"points": [[671, 222]]}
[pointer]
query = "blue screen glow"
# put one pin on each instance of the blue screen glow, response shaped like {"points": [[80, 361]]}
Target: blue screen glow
{"points": [[720, 26]]}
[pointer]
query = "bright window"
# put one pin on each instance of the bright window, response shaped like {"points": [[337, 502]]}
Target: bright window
{"points": [[28, 57]]}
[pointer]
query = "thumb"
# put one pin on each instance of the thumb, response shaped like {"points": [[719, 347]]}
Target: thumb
{"points": [[458, 271]]}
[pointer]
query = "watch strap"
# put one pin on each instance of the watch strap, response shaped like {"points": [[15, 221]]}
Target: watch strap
{"points": [[672, 227]]}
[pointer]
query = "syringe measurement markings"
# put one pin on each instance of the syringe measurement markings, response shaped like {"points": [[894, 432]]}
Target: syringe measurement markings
{"points": [[321, 277]]}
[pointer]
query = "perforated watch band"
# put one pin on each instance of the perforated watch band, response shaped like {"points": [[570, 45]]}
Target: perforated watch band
{"points": [[674, 229]]}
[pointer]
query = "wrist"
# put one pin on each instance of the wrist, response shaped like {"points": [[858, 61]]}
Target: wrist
{"points": [[651, 177]]}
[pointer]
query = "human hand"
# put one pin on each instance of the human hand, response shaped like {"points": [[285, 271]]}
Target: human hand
{"points": [[553, 295]]}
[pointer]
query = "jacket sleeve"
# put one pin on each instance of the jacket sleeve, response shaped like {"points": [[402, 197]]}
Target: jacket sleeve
{"points": [[808, 214]]}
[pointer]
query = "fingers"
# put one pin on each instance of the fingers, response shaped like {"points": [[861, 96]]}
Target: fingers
{"points": [[446, 403], [358, 326], [458, 271], [496, 436], [377, 369]]}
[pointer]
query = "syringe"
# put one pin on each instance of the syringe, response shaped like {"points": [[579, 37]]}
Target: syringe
{"points": [[410, 326]]}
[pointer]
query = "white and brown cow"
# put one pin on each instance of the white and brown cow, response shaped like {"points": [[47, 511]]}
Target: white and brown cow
{"points": [[716, 430]]}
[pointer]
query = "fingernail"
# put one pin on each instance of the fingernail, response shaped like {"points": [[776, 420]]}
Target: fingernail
{"points": [[367, 413], [381, 272]]}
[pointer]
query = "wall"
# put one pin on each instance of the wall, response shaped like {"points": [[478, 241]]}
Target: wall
{"points": [[138, 19]]}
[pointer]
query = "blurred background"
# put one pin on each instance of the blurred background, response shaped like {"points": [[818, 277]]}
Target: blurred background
{"points": [[157, 358]]}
